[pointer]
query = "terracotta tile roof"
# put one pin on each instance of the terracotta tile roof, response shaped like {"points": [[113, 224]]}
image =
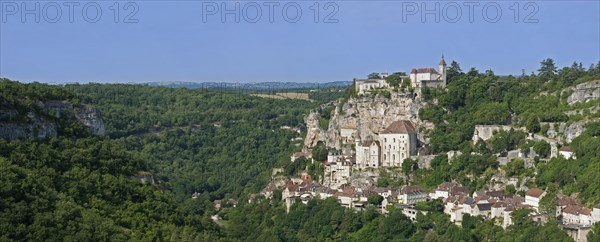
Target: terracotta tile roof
{"points": [[400, 127], [586, 211], [496, 194], [573, 209], [451, 199], [411, 190], [423, 70], [564, 201], [534, 192], [446, 186], [566, 148], [293, 188], [499, 205], [459, 190], [482, 198]]}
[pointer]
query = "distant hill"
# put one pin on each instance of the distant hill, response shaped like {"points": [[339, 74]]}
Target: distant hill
{"points": [[251, 85]]}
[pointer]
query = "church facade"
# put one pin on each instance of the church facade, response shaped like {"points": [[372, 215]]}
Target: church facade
{"points": [[394, 144], [429, 77]]}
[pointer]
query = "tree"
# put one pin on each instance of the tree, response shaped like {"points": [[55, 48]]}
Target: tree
{"points": [[453, 71], [375, 199], [594, 235], [473, 72], [547, 70], [374, 75], [409, 165], [542, 148], [533, 124], [492, 113], [510, 190], [470, 222], [394, 80], [320, 152], [426, 93], [435, 205], [382, 182], [521, 219]]}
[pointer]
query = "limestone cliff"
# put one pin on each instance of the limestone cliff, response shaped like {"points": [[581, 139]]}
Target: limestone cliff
{"points": [[44, 118], [584, 92], [360, 118]]}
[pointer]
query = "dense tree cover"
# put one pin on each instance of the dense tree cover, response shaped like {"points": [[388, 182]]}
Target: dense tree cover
{"points": [[80, 189], [474, 98], [326, 95], [222, 144], [23, 97], [471, 170], [594, 235], [576, 175], [507, 140], [482, 98], [325, 220]]}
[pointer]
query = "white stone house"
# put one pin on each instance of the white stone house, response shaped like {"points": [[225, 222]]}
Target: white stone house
{"points": [[339, 169], [497, 210], [448, 189], [367, 154], [411, 195], [398, 141], [365, 86], [562, 203], [566, 152], [533, 198], [575, 214]]}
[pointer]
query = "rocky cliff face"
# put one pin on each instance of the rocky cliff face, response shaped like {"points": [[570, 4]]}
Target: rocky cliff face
{"points": [[584, 92], [360, 118], [43, 121], [35, 127], [90, 117]]}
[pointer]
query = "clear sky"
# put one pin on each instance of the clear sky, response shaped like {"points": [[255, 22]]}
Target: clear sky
{"points": [[188, 41]]}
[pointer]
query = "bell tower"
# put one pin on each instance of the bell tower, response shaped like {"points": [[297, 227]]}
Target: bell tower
{"points": [[442, 70]]}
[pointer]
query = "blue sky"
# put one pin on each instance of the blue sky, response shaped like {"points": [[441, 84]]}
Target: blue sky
{"points": [[171, 42]]}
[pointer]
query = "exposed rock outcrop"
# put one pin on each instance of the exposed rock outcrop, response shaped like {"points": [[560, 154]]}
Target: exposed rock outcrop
{"points": [[584, 92], [43, 121], [363, 117], [90, 117], [485, 132], [36, 127]]}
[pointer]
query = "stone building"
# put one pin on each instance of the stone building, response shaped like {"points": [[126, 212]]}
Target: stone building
{"points": [[364, 86], [398, 141], [429, 77], [367, 154]]}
